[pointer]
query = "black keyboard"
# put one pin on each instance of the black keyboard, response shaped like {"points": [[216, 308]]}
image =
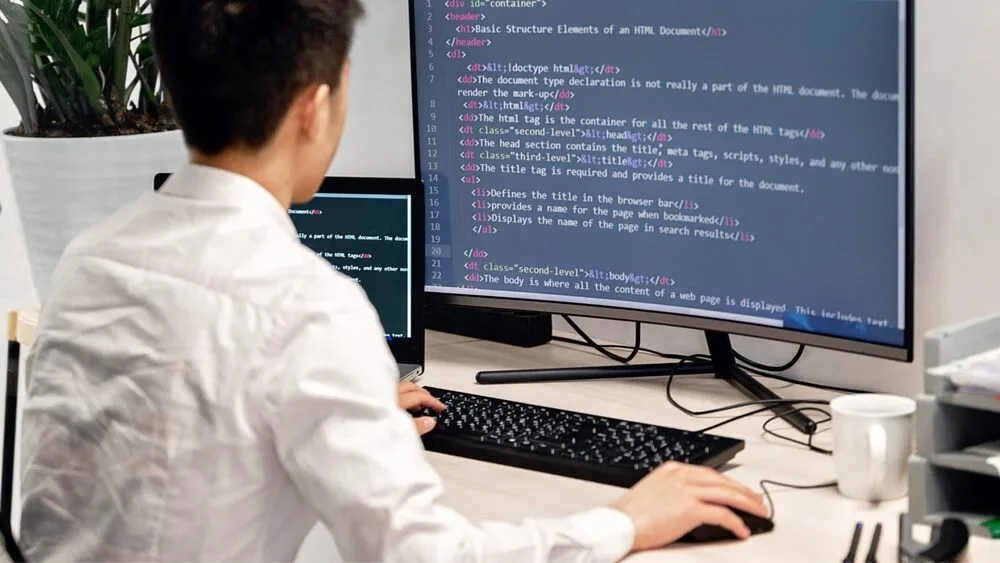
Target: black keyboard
{"points": [[571, 444]]}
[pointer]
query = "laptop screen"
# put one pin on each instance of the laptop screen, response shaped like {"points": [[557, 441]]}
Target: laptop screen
{"points": [[371, 230], [367, 237]]}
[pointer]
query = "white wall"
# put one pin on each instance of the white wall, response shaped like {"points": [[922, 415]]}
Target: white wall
{"points": [[378, 139]]}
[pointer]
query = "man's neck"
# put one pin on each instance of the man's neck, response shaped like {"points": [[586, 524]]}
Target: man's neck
{"points": [[254, 166]]}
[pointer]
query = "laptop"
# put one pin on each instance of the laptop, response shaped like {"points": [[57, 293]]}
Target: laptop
{"points": [[372, 229]]}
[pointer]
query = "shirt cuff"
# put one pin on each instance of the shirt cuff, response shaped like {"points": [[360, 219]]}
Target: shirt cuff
{"points": [[609, 532]]}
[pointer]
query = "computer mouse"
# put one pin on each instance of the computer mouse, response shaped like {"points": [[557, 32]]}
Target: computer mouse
{"points": [[708, 533]]}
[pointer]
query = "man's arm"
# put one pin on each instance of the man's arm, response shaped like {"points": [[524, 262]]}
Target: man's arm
{"points": [[356, 457]]}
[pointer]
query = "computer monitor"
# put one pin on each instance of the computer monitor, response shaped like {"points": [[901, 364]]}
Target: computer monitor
{"points": [[372, 229], [733, 167]]}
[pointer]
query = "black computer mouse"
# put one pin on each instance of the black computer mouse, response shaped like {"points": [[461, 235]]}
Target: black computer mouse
{"points": [[708, 533]]}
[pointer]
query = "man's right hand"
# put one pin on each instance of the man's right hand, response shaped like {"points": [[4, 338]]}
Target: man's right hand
{"points": [[677, 498]]}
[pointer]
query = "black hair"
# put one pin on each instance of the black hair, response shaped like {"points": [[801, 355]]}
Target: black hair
{"points": [[232, 68]]}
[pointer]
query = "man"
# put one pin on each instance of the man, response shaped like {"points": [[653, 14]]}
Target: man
{"points": [[203, 387]]}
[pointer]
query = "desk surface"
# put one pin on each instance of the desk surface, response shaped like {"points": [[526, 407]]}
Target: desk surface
{"points": [[810, 525]]}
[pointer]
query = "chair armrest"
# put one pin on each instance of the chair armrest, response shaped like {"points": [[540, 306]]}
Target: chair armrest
{"points": [[21, 326]]}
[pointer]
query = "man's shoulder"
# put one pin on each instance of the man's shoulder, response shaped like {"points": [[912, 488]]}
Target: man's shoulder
{"points": [[323, 286], [97, 235], [330, 309]]}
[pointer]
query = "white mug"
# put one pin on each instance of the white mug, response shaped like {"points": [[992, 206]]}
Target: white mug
{"points": [[872, 443]]}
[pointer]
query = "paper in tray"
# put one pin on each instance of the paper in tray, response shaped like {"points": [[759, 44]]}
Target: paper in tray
{"points": [[975, 374], [990, 451]]}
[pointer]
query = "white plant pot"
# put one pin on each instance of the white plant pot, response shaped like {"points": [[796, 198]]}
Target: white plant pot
{"points": [[63, 186]]}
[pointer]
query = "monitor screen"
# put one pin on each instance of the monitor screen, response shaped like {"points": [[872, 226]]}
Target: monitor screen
{"points": [[366, 237], [744, 162], [369, 237]]}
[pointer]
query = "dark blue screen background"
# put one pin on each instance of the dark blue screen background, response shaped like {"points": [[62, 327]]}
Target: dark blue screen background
{"points": [[821, 254]]}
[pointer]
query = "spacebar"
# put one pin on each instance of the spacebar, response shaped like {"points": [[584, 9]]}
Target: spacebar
{"points": [[516, 454], [539, 445]]}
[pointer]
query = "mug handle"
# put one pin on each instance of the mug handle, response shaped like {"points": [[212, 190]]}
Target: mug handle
{"points": [[877, 446]]}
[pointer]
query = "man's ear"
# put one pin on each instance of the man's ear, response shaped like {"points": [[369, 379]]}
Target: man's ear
{"points": [[315, 107]]}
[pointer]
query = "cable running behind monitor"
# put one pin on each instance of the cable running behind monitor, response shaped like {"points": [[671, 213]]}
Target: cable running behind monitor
{"points": [[731, 167]]}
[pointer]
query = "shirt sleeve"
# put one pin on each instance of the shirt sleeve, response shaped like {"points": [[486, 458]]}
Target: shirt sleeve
{"points": [[357, 459]]}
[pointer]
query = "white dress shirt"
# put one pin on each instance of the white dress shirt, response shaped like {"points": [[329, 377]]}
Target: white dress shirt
{"points": [[205, 388]]}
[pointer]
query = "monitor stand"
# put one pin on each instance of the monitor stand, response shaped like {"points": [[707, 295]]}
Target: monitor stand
{"points": [[722, 365]]}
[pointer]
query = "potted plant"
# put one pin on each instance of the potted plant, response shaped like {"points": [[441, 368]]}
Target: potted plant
{"points": [[94, 128]]}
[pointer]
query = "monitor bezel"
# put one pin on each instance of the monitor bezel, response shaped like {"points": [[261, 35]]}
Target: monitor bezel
{"points": [[410, 350], [903, 353]]}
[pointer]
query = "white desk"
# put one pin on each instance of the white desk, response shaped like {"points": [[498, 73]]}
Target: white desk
{"points": [[810, 525]]}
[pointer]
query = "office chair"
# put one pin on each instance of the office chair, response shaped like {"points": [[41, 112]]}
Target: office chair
{"points": [[10, 435]]}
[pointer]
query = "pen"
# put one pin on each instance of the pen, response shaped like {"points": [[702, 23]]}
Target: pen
{"points": [[873, 549], [853, 550]]}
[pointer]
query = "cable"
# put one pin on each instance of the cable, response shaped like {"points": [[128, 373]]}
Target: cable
{"points": [[777, 369], [767, 494], [793, 381], [611, 355], [768, 403], [689, 412], [588, 341], [809, 443], [731, 420], [749, 368], [576, 342]]}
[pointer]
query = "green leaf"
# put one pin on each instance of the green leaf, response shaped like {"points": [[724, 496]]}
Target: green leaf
{"points": [[147, 88], [13, 82], [14, 13], [121, 45], [97, 23], [139, 20], [91, 85], [130, 90], [17, 25], [52, 90], [15, 68], [71, 58], [99, 44]]}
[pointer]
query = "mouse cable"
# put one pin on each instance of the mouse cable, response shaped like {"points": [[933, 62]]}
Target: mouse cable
{"points": [[605, 349], [752, 367], [767, 494], [809, 442], [765, 482]]}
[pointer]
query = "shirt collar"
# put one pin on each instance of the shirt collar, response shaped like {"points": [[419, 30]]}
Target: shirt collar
{"points": [[206, 183]]}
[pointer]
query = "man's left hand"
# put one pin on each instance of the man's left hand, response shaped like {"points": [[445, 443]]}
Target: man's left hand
{"points": [[413, 398]]}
